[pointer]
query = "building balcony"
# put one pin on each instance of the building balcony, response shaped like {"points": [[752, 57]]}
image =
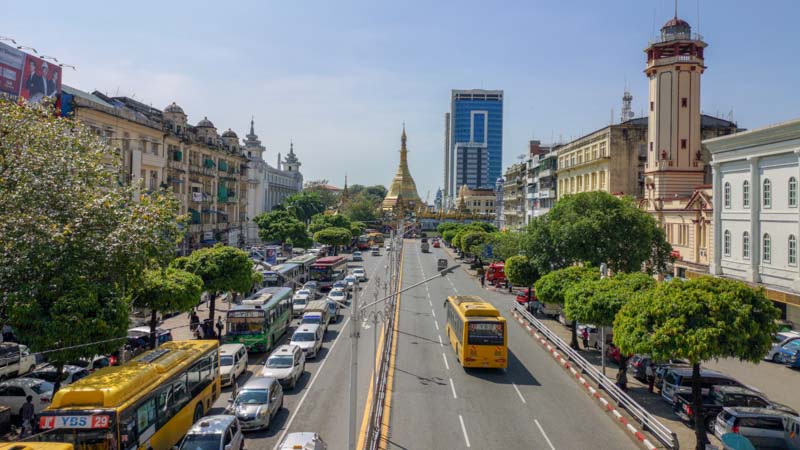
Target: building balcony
{"points": [[546, 173], [205, 171]]}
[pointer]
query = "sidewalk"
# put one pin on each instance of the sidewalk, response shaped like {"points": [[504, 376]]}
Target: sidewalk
{"points": [[179, 325]]}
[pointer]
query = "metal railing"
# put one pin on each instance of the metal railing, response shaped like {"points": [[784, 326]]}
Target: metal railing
{"points": [[641, 415]]}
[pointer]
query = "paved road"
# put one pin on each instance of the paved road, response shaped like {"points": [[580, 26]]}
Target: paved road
{"points": [[438, 405], [320, 401]]}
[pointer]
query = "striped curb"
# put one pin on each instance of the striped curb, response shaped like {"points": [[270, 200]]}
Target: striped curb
{"points": [[607, 405]]}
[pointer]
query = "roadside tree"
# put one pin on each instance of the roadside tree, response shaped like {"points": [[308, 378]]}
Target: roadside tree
{"points": [[505, 244], [167, 290], [282, 226], [323, 221], [334, 236], [521, 271], [552, 288], [698, 320], [304, 205]]}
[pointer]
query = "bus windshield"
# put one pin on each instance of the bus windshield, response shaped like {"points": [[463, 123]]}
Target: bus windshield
{"points": [[321, 274], [245, 322], [81, 439], [485, 333]]}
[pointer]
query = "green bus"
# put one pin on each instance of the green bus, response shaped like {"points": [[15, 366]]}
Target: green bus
{"points": [[304, 263], [260, 320]]}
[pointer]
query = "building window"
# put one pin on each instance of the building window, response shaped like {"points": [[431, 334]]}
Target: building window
{"points": [[727, 195], [683, 143], [726, 243], [767, 195], [792, 250], [684, 102], [767, 251], [792, 192], [746, 245], [652, 106], [602, 180], [746, 194]]}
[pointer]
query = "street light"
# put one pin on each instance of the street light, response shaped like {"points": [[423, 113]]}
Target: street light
{"points": [[603, 274]]}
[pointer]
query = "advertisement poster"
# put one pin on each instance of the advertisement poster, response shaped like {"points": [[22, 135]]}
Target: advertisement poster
{"points": [[24, 76]]}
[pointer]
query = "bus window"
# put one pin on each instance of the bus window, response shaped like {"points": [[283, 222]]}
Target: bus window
{"points": [[180, 396], [485, 333], [129, 438], [199, 375], [146, 416], [163, 404]]}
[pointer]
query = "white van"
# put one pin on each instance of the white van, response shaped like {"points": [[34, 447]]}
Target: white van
{"points": [[15, 360], [232, 362]]}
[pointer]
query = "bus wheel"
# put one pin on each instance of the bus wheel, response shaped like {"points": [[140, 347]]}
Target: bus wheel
{"points": [[198, 412]]}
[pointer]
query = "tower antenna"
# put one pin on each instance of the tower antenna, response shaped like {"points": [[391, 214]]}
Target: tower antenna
{"points": [[676, 9]]}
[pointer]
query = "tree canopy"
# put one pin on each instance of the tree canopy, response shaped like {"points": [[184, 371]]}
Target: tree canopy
{"points": [[361, 209], [334, 236], [167, 290], [505, 244], [323, 221], [552, 288], [282, 226], [597, 301], [304, 205], [698, 320], [74, 239], [329, 198], [520, 271]]}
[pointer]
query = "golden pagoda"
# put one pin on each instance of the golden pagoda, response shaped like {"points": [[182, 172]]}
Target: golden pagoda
{"points": [[402, 194]]}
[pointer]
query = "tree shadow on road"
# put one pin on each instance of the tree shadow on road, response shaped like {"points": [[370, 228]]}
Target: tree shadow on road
{"points": [[425, 381], [427, 341]]}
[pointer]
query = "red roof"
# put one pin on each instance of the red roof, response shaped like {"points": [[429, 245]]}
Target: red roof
{"points": [[674, 22]]}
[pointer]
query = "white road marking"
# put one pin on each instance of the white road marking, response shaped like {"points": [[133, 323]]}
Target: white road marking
{"points": [[518, 392], [451, 284], [445, 362], [436, 323], [440, 340], [430, 302], [544, 434], [310, 384], [453, 388], [464, 430], [433, 312]]}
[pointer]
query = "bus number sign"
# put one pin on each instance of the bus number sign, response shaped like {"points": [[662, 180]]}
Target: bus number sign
{"points": [[82, 422]]}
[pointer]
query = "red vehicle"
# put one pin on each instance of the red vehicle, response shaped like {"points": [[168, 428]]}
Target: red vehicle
{"points": [[436, 244], [328, 270], [495, 273], [522, 296]]}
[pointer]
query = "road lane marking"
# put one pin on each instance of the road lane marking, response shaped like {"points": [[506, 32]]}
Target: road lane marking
{"points": [[430, 302], [436, 323], [440, 340], [445, 362], [518, 392], [544, 434], [453, 388], [310, 385], [451, 284], [464, 430], [433, 312]]}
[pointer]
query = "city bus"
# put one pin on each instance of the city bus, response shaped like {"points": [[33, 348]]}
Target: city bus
{"points": [[148, 403], [328, 270], [304, 262], [363, 242], [282, 275], [260, 320], [477, 332], [376, 237]]}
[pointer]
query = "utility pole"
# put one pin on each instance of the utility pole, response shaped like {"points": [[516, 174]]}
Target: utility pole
{"points": [[603, 274], [355, 322]]}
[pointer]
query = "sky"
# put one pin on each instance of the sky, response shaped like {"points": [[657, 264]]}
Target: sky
{"points": [[339, 78]]}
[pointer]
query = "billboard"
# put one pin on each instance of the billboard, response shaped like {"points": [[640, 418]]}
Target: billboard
{"points": [[24, 76]]}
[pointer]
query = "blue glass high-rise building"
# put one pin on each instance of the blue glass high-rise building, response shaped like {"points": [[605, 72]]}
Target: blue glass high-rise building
{"points": [[475, 146]]}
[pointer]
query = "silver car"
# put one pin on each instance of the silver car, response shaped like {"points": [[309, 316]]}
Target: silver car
{"points": [[257, 402], [220, 432], [762, 426], [286, 364]]}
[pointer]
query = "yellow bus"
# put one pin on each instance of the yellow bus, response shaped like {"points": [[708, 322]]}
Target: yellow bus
{"points": [[147, 403], [477, 332], [34, 445]]}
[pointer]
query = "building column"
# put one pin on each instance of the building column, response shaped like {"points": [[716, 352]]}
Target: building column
{"points": [[755, 220], [715, 267]]}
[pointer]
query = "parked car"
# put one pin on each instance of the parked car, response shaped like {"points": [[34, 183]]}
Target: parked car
{"points": [[15, 360], [637, 367], [357, 256], [220, 432], [91, 364], [791, 432], [304, 440], [679, 380], [141, 336], [309, 338], [286, 364], [69, 374], [596, 338], [360, 273], [762, 426], [784, 351], [257, 402], [720, 397], [14, 392], [522, 296], [232, 362]]}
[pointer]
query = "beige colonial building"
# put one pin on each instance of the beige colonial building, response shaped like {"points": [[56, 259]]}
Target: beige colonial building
{"points": [[514, 197], [476, 201]]}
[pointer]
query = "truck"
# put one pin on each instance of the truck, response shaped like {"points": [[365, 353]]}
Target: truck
{"points": [[317, 312], [720, 397], [15, 360], [424, 246], [495, 273]]}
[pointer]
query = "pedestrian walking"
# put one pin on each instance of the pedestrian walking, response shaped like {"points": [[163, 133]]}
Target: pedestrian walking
{"points": [[510, 287], [585, 336], [483, 280], [650, 374], [193, 320], [622, 379], [220, 327], [27, 413]]}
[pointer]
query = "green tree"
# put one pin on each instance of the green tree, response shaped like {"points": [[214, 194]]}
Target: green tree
{"points": [[598, 301], [304, 205], [473, 242], [357, 228], [74, 240], [597, 227], [552, 288], [167, 290], [282, 226], [323, 221], [698, 320], [333, 236], [482, 226], [222, 269], [361, 209], [444, 226], [329, 198], [505, 244], [521, 271]]}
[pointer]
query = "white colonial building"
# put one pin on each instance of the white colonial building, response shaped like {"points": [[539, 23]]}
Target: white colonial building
{"points": [[756, 216]]}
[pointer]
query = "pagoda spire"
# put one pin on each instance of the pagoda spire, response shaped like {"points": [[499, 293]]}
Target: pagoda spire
{"points": [[403, 191]]}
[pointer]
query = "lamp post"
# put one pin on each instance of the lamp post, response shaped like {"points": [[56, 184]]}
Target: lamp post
{"points": [[603, 274]]}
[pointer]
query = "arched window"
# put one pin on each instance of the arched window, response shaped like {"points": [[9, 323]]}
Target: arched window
{"points": [[767, 251], [792, 192], [746, 194], [726, 243], [727, 195], [767, 194], [746, 245], [792, 250]]}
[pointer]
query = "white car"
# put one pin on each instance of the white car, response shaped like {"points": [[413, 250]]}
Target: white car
{"points": [[351, 281], [778, 341], [232, 362], [309, 338], [13, 394], [299, 303], [360, 273], [312, 287], [338, 295], [221, 432], [305, 440], [69, 375], [286, 364]]}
